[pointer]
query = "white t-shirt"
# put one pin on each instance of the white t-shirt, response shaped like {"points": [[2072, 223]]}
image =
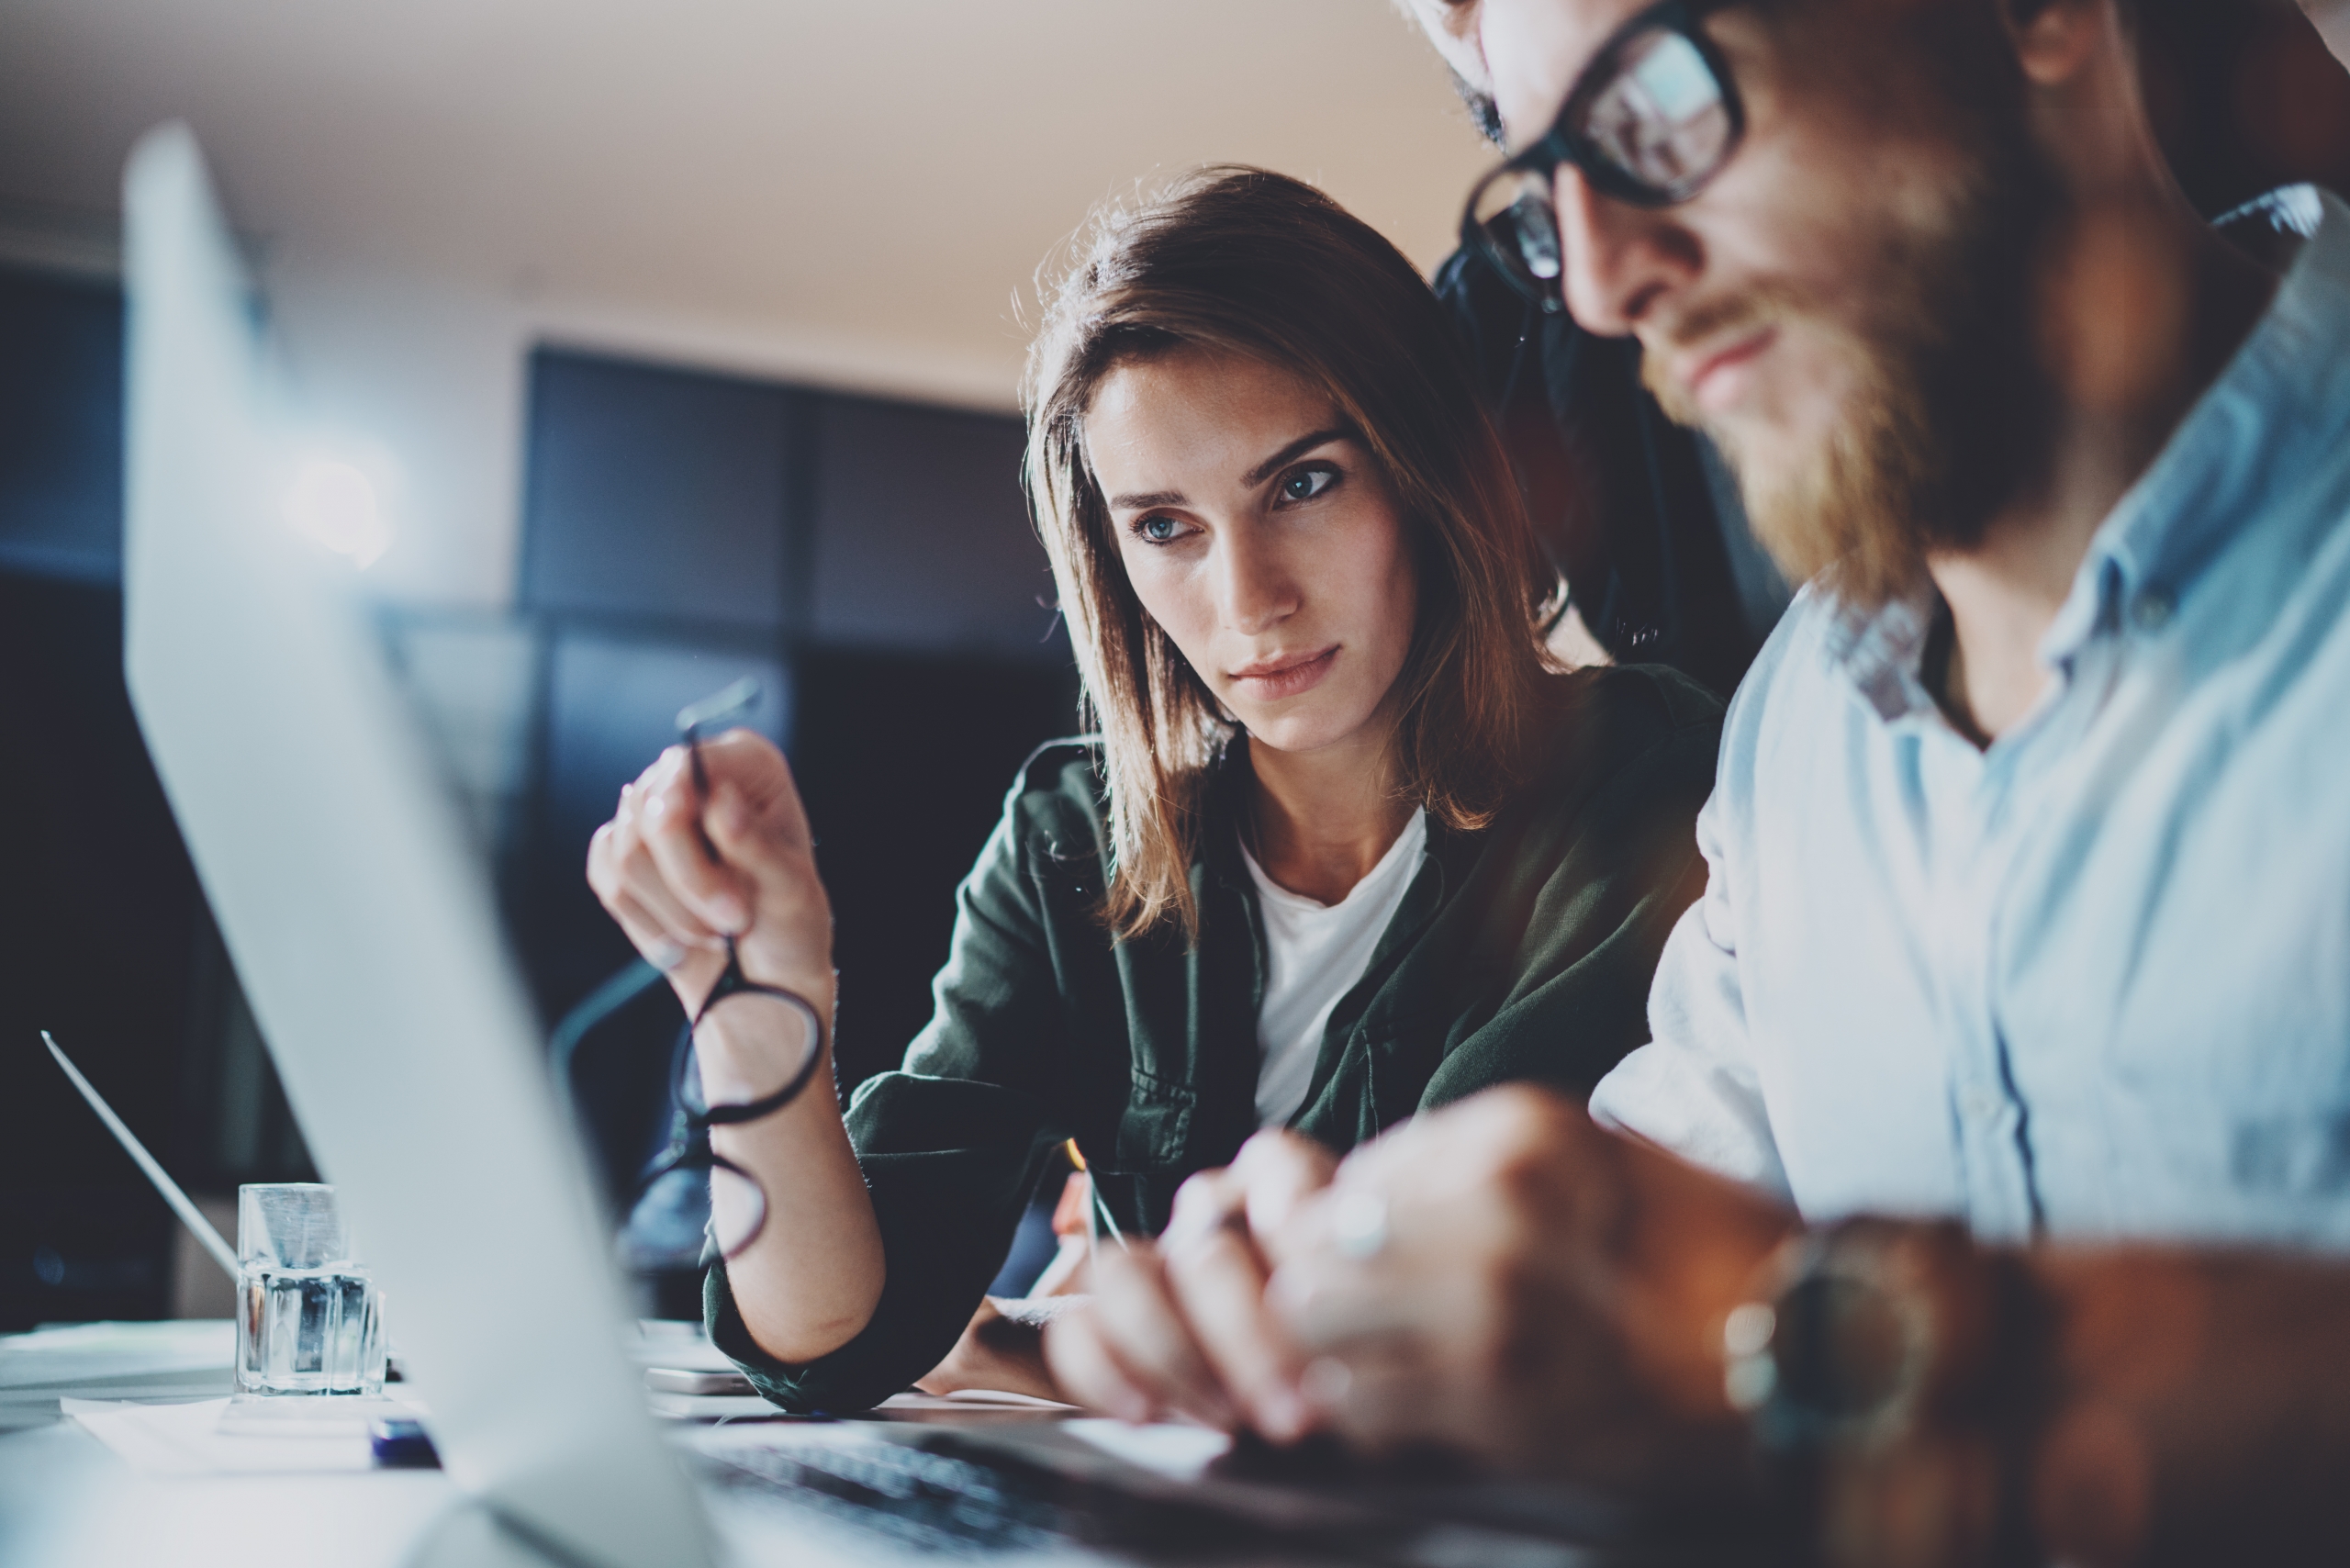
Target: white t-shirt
{"points": [[1313, 955]]}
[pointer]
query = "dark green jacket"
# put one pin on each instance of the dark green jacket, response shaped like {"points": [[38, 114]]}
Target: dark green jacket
{"points": [[1520, 952]]}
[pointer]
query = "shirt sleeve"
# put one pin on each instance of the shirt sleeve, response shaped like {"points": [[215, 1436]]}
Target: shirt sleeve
{"points": [[950, 1146], [1693, 1088]]}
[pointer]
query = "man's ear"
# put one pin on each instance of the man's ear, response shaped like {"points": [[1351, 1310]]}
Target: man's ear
{"points": [[2055, 39]]}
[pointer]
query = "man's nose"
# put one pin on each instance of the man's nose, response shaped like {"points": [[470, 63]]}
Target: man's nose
{"points": [[1617, 260], [1254, 581]]}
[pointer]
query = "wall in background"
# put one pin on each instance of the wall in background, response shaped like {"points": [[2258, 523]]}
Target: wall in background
{"points": [[871, 563], [869, 559], [104, 935], [432, 380]]}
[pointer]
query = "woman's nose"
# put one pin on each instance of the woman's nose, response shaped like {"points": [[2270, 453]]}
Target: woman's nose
{"points": [[1258, 589]]}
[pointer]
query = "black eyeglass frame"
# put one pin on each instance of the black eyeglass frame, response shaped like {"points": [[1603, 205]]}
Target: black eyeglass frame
{"points": [[1563, 144], [731, 981], [689, 1147]]}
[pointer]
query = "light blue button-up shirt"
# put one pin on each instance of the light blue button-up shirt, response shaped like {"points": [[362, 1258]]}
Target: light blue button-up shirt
{"points": [[2094, 981]]}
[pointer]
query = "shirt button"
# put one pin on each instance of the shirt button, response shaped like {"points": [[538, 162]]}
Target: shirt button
{"points": [[1980, 1104], [2152, 613]]}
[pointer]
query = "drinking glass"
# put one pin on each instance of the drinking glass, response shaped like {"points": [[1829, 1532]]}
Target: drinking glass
{"points": [[309, 1320]]}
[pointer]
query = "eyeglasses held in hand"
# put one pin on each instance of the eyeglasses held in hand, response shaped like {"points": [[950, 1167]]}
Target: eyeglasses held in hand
{"points": [[748, 1051], [1653, 117]]}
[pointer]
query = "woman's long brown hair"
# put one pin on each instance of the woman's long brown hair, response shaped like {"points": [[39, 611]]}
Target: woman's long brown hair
{"points": [[1242, 260]]}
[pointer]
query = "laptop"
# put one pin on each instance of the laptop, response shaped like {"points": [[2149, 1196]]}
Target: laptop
{"points": [[362, 925]]}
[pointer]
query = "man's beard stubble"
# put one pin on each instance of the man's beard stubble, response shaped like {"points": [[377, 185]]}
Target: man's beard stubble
{"points": [[1945, 423]]}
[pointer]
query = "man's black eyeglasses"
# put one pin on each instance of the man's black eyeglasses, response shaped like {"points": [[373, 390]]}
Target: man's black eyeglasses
{"points": [[749, 1050], [1652, 118]]}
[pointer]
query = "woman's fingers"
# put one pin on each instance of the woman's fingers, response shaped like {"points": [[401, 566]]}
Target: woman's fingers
{"points": [[670, 818], [641, 882], [654, 864], [751, 763], [651, 939], [621, 866]]}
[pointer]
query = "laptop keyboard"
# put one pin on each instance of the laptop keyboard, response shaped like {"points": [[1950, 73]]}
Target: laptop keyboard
{"points": [[925, 1501], [931, 1502]]}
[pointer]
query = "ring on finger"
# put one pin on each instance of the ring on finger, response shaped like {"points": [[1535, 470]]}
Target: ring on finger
{"points": [[1359, 1226]]}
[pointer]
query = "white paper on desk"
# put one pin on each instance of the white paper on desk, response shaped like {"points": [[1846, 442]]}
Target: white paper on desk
{"points": [[711, 1407], [186, 1439], [969, 1399], [107, 1356], [1178, 1451]]}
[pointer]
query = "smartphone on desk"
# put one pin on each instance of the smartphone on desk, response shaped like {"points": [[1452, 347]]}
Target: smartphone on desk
{"points": [[686, 1380]]}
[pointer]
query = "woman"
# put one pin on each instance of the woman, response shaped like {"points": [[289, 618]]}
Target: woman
{"points": [[1344, 847]]}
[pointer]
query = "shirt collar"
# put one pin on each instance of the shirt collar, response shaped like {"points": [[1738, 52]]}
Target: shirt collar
{"points": [[2286, 394], [2255, 422], [1880, 651]]}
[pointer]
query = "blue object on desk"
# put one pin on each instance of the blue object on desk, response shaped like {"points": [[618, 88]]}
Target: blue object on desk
{"points": [[401, 1445]]}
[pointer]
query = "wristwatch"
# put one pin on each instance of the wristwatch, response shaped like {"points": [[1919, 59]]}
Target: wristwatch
{"points": [[1874, 1355], [1835, 1350]]}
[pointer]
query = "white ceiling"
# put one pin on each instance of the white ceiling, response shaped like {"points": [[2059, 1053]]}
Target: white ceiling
{"points": [[877, 173]]}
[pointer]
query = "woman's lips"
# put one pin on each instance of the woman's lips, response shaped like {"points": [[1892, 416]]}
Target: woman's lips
{"points": [[1270, 681]]}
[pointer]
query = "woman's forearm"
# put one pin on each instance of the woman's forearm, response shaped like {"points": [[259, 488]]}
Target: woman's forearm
{"points": [[808, 1282]]}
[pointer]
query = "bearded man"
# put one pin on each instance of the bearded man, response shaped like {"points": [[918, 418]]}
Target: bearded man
{"points": [[2029, 912]]}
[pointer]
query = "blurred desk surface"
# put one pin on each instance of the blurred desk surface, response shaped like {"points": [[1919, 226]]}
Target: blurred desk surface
{"points": [[67, 1502], [191, 1496], [66, 1499], [70, 1500]]}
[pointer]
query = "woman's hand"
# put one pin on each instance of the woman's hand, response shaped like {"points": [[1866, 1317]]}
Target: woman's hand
{"points": [[1002, 1349], [1180, 1327], [650, 865], [809, 1280]]}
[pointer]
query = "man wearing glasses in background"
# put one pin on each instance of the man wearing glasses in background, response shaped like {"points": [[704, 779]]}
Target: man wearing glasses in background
{"points": [[1640, 515], [2029, 917]]}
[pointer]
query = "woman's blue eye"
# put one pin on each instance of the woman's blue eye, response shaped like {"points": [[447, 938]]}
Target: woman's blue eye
{"points": [[1159, 529], [1308, 483]]}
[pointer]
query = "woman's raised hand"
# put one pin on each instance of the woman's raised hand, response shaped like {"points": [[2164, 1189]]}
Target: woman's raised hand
{"points": [[652, 867], [682, 873]]}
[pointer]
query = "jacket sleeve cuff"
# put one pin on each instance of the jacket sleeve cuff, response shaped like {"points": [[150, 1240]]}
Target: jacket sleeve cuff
{"points": [[942, 1253]]}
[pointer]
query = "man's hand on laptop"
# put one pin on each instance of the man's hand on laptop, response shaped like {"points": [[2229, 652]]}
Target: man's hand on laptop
{"points": [[651, 865], [1180, 1328], [1508, 1278], [1502, 1278], [2331, 19]]}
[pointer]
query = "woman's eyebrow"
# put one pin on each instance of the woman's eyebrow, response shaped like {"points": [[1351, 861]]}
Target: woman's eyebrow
{"points": [[1138, 501], [1302, 444], [1146, 498]]}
